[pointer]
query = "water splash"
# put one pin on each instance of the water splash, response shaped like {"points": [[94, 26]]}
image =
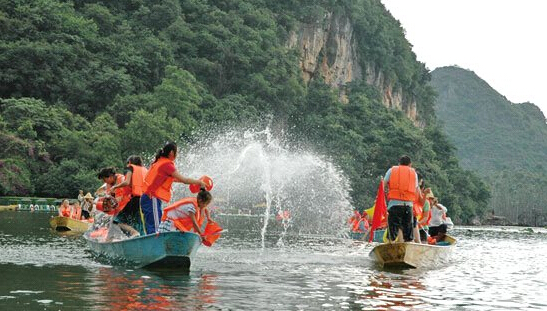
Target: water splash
{"points": [[257, 175]]}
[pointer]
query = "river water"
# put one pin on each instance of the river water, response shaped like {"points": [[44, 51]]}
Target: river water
{"points": [[491, 269]]}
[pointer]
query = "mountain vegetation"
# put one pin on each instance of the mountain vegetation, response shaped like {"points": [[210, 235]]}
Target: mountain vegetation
{"points": [[84, 84], [505, 143]]}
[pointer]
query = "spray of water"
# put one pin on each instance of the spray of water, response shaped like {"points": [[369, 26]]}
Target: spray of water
{"points": [[257, 175]]}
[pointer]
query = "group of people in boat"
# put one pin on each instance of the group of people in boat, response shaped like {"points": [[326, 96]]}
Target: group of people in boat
{"points": [[413, 212], [134, 199], [80, 209]]}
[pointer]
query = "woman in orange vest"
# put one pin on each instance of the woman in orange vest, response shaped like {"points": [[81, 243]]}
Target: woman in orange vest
{"points": [[157, 186], [187, 214], [133, 188], [64, 209]]}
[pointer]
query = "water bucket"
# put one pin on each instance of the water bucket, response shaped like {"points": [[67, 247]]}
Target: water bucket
{"points": [[207, 180]]}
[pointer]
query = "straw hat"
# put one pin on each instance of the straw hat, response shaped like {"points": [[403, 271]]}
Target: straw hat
{"points": [[430, 195], [88, 196]]}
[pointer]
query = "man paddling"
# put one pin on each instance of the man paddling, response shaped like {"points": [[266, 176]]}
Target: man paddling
{"points": [[402, 190]]}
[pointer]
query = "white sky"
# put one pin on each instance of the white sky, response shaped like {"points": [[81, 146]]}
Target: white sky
{"points": [[503, 41]]}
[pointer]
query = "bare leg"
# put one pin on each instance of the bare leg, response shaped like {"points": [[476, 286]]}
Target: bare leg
{"points": [[130, 230], [416, 235], [399, 236]]}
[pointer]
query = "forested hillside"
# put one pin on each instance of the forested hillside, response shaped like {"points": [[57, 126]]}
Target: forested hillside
{"points": [[85, 84], [504, 142]]}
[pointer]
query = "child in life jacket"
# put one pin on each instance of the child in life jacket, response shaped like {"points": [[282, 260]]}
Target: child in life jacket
{"points": [[64, 209], [187, 214]]}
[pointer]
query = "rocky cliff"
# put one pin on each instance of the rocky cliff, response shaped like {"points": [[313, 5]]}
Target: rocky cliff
{"points": [[328, 48]]}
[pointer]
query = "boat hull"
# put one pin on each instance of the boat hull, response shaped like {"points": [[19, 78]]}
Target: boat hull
{"points": [[60, 223], [412, 255], [172, 250]]}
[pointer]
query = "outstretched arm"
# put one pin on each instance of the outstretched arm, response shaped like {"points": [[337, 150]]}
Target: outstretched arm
{"points": [[197, 229], [126, 182], [186, 180]]}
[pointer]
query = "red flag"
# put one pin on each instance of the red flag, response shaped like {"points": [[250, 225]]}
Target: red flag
{"points": [[380, 210]]}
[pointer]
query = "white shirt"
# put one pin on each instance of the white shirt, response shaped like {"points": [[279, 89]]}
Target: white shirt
{"points": [[438, 214]]}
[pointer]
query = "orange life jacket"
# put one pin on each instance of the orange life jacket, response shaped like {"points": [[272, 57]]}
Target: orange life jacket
{"points": [[119, 192], [417, 208], [137, 180], [184, 223], [402, 184], [65, 211], [164, 191]]}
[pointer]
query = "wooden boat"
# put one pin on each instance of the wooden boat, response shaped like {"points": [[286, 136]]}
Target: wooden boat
{"points": [[61, 223], [8, 208], [163, 250], [378, 236], [413, 255]]}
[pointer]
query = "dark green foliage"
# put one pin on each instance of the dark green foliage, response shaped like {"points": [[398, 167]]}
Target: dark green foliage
{"points": [[504, 142], [85, 83]]}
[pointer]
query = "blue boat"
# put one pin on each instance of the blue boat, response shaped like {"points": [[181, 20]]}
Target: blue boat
{"points": [[172, 250], [378, 235]]}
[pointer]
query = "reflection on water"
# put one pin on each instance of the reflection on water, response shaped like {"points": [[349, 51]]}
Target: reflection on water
{"points": [[491, 269]]}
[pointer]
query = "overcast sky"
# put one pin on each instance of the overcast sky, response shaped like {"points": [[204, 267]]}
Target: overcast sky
{"points": [[503, 41]]}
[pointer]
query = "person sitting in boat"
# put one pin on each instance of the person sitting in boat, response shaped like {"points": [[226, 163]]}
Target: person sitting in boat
{"points": [[187, 214], [64, 209], [358, 222], [437, 225], [133, 187], [76, 211], [157, 186], [402, 190], [87, 206]]}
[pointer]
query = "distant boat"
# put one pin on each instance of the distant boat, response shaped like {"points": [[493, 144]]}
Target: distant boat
{"points": [[61, 223], [413, 255], [164, 250]]}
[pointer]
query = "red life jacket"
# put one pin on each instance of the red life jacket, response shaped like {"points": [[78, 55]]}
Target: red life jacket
{"points": [[184, 223], [65, 211], [402, 184], [137, 180], [163, 192]]}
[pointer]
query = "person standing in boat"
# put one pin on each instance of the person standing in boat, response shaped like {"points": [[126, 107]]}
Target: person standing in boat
{"points": [[133, 185], [87, 206], [64, 209], [402, 190], [157, 186]]}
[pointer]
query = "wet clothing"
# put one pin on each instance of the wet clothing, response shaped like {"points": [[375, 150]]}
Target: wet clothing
{"points": [[400, 217], [131, 214], [182, 211], [150, 213]]}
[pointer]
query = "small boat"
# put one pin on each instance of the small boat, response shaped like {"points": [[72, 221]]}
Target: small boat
{"points": [[413, 255], [8, 208], [61, 223], [163, 250], [378, 235]]}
